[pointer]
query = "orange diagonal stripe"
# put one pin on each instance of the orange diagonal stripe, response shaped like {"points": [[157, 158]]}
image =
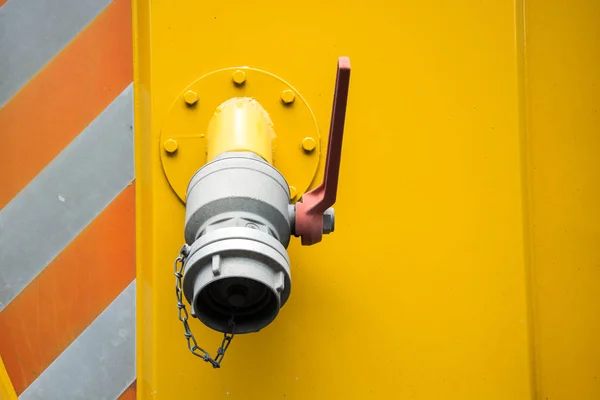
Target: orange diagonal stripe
{"points": [[70, 293], [129, 393], [64, 97]]}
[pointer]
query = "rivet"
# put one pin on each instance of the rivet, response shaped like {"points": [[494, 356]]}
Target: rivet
{"points": [[239, 77], [171, 146], [288, 96], [190, 97], [293, 192], [308, 144]]}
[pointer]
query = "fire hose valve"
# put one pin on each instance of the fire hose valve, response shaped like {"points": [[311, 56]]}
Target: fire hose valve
{"points": [[234, 269]]}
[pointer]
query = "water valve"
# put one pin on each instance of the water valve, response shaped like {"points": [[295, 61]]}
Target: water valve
{"points": [[234, 270]]}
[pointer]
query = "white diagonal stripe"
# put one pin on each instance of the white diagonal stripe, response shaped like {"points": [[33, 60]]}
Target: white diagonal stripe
{"points": [[99, 364], [66, 196], [32, 32]]}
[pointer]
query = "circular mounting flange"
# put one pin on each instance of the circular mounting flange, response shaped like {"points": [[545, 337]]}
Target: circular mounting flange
{"points": [[183, 135]]}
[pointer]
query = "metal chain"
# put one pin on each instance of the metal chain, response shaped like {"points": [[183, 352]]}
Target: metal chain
{"points": [[183, 316]]}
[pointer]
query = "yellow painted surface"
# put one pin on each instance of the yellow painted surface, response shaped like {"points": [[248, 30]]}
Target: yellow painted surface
{"points": [[7, 391], [458, 193], [563, 125]]}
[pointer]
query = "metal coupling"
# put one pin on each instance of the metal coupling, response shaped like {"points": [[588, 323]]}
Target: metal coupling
{"points": [[238, 227]]}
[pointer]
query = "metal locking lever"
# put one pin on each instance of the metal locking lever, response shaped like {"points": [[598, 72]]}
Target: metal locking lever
{"points": [[311, 208]]}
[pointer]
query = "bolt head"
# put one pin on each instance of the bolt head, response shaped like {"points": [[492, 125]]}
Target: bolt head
{"points": [[190, 97], [239, 77], [288, 96], [171, 146], [328, 221], [309, 144]]}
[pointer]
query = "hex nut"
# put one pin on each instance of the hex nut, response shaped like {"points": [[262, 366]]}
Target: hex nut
{"points": [[171, 146], [308, 144], [328, 221], [288, 96], [239, 77], [190, 97]]}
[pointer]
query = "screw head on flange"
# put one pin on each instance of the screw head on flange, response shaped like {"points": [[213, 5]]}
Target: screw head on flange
{"points": [[287, 96], [239, 77], [171, 146], [190, 97], [308, 144]]}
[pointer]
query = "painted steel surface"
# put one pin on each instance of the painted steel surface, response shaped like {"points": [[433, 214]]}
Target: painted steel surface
{"points": [[456, 133], [465, 259], [563, 165]]}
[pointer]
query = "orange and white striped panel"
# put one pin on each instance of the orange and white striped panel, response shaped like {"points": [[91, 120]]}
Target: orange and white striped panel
{"points": [[67, 234]]}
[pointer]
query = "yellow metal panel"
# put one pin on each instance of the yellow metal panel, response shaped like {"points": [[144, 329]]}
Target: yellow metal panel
{"points": [[7, 391], [144, 192], [422, 290], [563, 98]]}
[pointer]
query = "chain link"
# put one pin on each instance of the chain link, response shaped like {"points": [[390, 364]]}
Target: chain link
{"points": [[183, 316]]}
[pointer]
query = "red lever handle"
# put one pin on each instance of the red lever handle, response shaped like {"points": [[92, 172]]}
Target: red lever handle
{"points": [[310, 209]]}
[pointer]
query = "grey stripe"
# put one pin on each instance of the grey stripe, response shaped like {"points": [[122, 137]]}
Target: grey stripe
{"points": [[32, 32], [66, 196], [99, 364]]}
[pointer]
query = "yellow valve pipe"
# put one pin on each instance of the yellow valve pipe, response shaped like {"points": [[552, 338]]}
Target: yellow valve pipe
{"points": [[241, 124]]}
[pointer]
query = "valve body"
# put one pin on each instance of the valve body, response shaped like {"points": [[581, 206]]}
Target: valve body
{"points": [[238, 224], [239, 218]]}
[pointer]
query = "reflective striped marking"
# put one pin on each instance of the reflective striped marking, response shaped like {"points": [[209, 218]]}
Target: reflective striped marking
{"points": [[65, 197], [64, 97], [45, 318], [130, 393], [34, 31], [99, 364]]}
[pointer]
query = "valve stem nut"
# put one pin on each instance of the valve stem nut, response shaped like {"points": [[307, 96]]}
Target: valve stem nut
{"points": [[328, 221]]}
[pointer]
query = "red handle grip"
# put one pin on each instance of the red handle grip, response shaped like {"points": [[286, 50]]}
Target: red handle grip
{"points": [[309, 211]]}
